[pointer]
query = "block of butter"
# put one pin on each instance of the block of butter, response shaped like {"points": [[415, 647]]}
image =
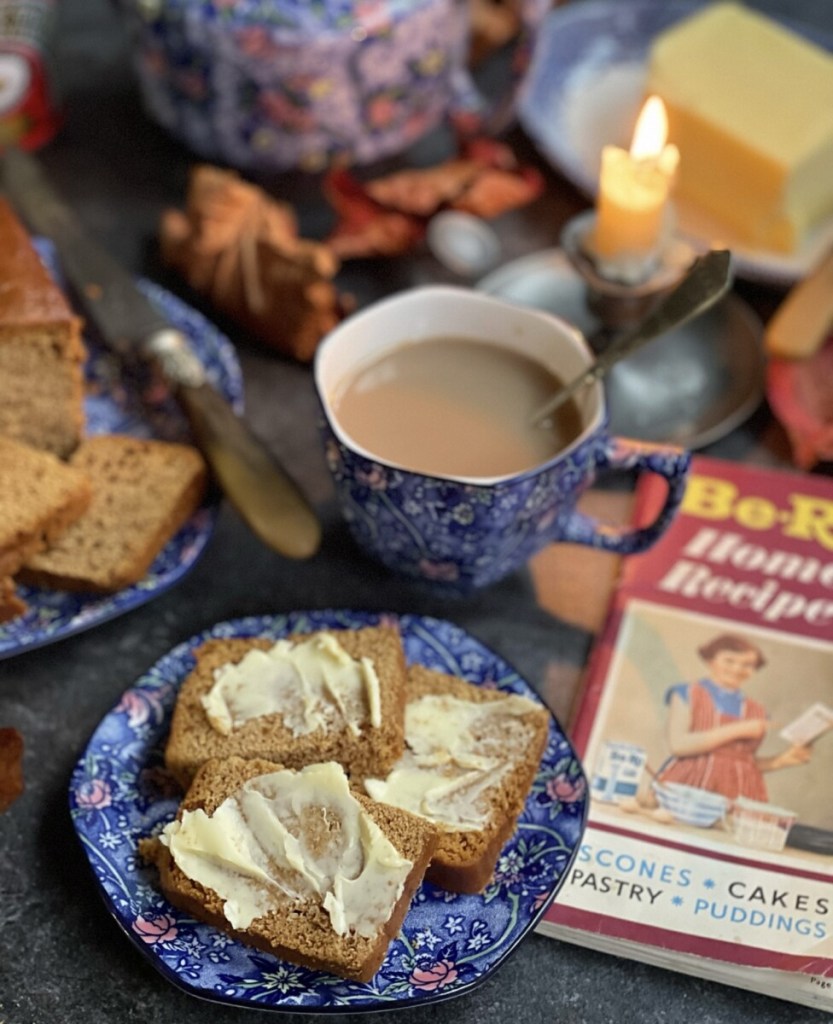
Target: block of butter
{"points": [[750, 107]]}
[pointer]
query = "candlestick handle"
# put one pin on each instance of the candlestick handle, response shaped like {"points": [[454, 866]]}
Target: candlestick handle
{"points": [[708, 279]]}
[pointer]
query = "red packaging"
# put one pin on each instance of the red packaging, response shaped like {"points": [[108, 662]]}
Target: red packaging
{"points": [[28, 112]]}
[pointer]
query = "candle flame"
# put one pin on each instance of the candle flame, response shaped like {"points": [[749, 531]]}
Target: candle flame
{"points": [[651, 130]]}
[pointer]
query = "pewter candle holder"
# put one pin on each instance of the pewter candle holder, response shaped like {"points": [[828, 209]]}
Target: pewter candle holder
{"points": [[620, 292]]}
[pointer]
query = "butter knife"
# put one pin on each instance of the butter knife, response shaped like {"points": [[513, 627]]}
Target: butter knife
{"points": [[266, 498]]}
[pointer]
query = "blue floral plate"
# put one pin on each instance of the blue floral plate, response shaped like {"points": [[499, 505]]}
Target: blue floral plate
{"points": [[584, 90], [119, 793], [116, 402]]}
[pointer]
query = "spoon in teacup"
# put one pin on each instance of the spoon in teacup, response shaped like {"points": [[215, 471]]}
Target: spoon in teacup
{"points": [[707, 280]]}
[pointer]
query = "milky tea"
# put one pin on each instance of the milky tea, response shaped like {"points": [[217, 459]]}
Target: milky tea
{"points": [[455, 407]]}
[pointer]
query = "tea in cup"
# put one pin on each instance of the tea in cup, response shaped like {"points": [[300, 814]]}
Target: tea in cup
{"points": [[428, 400], [456, 407]]}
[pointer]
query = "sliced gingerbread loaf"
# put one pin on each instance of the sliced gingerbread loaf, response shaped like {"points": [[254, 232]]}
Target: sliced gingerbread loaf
{"points": [[255, 698], [41, 351], [310, 871], [471, 756], [143, 492], [40, 498]]}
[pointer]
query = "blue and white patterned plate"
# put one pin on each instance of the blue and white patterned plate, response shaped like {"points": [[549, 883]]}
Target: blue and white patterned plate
{"points": [[119, 793], [114, 405], [584, 90]]}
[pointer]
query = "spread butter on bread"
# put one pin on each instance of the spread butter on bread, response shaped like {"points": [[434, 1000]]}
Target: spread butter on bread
{"points": [[471, 756], [334, 695], [293, 862]]}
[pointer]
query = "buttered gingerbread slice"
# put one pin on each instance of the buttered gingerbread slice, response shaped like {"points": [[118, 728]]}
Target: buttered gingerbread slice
{"points": [[293, 862], [471, 755], [330, 696]]}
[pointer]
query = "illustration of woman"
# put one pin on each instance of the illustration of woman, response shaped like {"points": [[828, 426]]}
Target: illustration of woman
{"points": [[714, 730]]}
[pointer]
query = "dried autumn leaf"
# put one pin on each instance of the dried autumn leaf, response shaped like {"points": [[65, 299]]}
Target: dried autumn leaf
{"points": [[240, 249], [423, 191], [495, 191], [364, 228], [11, 767], [387, 216], [800, 393]]}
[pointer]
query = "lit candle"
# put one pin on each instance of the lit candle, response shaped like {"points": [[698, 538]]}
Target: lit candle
{"points": [[634, 188]]}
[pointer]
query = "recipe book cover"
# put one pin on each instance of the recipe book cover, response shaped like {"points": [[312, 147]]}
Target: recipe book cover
{"points": [[705, 724]]}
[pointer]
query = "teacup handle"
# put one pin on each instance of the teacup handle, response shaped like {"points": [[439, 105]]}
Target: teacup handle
{"points": [[470, 111], [664, 460]]}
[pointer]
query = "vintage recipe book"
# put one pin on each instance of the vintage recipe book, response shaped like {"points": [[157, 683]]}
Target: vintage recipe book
{"points": [[705, 724]]}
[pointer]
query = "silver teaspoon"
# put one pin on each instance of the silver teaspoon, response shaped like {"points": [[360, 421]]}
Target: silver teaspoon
{"points": [[706, 281]]}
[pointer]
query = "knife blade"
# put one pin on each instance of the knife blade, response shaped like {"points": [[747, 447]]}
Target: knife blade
{"points": [[263, 493]]}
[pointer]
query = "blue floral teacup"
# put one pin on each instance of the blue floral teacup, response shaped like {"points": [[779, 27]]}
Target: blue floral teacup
{"points": [[467, 532], [297, 84]]}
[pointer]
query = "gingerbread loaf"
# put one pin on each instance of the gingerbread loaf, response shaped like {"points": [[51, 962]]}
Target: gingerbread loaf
{"points": [[41, 351]]}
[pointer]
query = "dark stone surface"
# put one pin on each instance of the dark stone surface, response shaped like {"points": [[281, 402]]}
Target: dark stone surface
{"points": [[63, 957]]}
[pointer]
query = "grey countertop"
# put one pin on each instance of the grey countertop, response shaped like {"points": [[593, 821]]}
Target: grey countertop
{"points": [[64, 959]]}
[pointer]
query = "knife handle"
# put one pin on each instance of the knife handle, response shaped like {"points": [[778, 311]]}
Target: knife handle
{"points": [[264, 495]]}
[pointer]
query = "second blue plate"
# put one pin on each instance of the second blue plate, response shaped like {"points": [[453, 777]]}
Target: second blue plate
{"points": [[448, 942]]}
